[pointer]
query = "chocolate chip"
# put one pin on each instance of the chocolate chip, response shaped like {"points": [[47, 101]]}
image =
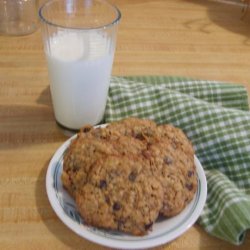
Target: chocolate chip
{"points": [[189, 186], [132, 176], [190, 173], [74, 169], [102, 184], [148, 226], [140, 136], [116, 206], [149, 144], [167, 160], [87, 128], [107, 199]]}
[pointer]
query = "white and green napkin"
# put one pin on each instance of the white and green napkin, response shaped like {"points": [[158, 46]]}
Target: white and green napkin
{"points": [[216, 118]]}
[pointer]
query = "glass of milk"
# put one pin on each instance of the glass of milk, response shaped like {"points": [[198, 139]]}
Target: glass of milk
{"points": [[79, 42]]}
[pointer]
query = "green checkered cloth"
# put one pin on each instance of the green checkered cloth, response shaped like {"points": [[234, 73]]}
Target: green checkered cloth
{"points": [[216, 117]]}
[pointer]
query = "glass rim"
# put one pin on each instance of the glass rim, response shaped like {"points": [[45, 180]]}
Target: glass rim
{"points": [[110, 24]]}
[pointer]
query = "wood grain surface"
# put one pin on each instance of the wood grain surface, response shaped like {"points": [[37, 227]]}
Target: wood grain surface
{"points": [[200, 39]]}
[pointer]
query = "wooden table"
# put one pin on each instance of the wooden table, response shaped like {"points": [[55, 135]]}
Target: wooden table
{"points": [[202, 39]]}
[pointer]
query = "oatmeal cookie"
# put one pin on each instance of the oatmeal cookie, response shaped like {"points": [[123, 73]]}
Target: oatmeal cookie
{"points": [[88, 148], [176, 172], [119, 196], [171, 160]]}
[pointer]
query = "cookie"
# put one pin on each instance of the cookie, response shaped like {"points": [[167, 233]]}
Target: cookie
{"points": [[119, 196], [176, 172], [171, 157], [88, 148]]}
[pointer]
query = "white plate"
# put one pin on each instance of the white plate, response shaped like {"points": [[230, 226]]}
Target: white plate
{"points": [[164, 230]]}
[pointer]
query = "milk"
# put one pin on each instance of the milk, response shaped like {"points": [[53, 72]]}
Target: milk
{"points": [[79, 67]]}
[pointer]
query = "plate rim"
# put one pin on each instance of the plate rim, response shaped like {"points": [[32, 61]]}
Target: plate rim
{"points": [[116, 243]]}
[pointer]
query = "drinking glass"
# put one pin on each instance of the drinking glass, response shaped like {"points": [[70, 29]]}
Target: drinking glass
{"points": [[79, 42], [18, 17]]}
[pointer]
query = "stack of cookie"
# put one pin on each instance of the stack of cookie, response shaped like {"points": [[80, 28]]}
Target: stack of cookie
{"points": [[123, 176]]}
